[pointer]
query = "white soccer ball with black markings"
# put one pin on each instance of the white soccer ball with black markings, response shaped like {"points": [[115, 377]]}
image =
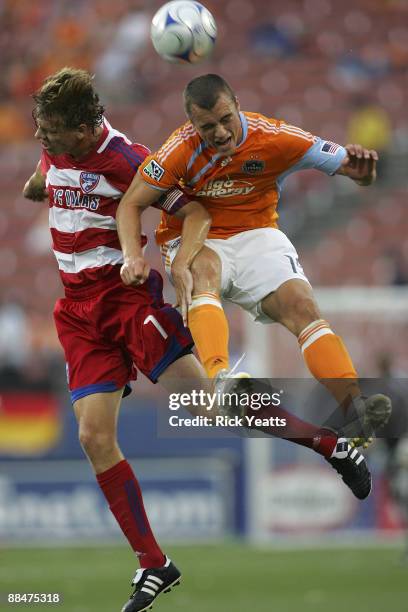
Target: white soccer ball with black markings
{"points": [[183, 31]]}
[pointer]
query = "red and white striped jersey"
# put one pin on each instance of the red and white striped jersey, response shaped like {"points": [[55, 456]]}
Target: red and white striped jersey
{"points": [[83, 199]]}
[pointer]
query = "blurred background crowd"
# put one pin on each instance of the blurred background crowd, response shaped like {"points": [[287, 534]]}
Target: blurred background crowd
{"points": [[336, 69]]}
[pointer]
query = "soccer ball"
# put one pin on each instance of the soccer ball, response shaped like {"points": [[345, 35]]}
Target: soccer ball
{"points": [[183, 31]]}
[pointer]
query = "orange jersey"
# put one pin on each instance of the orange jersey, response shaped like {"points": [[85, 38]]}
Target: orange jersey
{"points": [[240, 192]]}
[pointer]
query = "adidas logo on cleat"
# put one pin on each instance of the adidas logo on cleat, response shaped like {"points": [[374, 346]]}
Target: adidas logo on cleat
{"points": [[352, 467], [149, 584]]}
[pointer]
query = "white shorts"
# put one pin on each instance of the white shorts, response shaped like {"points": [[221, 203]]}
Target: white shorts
{"points": [[254, 264]]}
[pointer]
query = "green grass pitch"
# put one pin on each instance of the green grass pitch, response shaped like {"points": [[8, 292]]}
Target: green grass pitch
{"points": [[230, 577]]}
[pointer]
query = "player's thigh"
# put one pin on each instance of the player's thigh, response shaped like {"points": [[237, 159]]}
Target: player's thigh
{"points": [[265, 260], [94, 365], [186, 375], [206, 270], [211, 268], [154, 337]]}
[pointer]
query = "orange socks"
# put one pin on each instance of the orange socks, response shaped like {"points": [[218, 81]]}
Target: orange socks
{"points": [[209, 328], [328, 360]]}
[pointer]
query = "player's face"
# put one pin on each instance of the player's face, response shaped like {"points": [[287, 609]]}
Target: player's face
{"points": [[56, 138], [221, 126]]}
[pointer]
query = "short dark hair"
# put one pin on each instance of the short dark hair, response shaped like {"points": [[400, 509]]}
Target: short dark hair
{"points": [[204, 91], [70, 95]]}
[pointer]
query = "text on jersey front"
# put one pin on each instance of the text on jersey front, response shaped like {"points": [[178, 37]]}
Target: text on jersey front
{"points": [[225, 188]]}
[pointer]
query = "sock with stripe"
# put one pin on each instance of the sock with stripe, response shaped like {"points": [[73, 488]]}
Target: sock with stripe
{"points": [[209, 328], [329, 361], [122, 491], [296, 430]]}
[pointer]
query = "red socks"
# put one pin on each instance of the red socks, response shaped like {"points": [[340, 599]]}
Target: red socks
{"points": [[296, 430], [122, 491]]}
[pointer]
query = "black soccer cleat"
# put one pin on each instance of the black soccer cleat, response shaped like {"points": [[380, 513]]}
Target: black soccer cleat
{"points": [[352, 467], [149, 584]]}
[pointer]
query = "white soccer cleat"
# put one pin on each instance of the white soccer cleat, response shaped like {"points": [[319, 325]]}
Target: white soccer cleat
{"points": [[229, 385]]}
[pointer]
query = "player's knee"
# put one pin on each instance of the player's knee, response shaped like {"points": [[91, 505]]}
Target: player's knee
{"points": [[300, 312], [96, 443], [306, 310], [206, 269]]}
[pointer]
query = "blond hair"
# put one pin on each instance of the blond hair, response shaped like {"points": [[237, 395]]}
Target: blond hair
{"points": [[70, 95]]}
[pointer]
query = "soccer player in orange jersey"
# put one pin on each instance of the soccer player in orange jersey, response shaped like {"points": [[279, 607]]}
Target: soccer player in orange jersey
{"points": [[234, 164]]}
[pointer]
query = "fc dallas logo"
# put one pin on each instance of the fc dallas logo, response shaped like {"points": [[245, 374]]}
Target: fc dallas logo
{"points": [[88, 181]]}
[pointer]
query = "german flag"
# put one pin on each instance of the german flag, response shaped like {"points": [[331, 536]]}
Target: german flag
{"points": [[30, 423]]}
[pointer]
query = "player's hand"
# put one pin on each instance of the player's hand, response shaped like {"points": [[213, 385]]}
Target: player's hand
{"points": [[183, 285], [36, 191], [134, 271], [35, 188], [38, 194], [360, 164]]}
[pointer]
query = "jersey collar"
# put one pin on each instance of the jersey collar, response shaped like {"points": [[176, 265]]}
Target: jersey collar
{"points": [[244, 126]]}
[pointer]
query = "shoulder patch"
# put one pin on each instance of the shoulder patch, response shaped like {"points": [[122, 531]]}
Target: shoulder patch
{"points": [[329, 147], [154, 170]]}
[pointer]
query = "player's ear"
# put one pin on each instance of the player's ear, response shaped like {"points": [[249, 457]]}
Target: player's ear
{"points": [[237, 103], [82, 130]]}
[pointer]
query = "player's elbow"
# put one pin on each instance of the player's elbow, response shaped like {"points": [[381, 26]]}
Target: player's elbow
{"points": [[205, 217], [133, 200], [200, 219]]}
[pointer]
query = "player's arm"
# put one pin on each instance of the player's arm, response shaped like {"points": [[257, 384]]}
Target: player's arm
{"points": [[196, 224], [137, 198], [135, 269], [35, 188], [353, 161], [359, 164]]}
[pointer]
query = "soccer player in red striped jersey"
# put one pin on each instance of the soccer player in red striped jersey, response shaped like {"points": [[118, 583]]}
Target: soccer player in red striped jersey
{"points": [[108, 330]]}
